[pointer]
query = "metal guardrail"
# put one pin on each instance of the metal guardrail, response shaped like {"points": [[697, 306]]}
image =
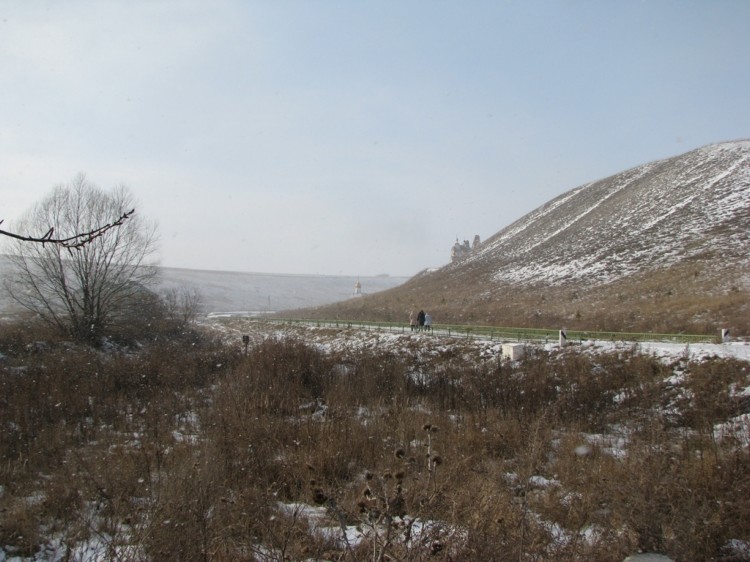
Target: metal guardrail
{"points": [[501, 334]]}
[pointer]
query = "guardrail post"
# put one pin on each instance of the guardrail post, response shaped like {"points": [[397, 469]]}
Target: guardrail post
{"points": [[724, 335], [563, 337]]}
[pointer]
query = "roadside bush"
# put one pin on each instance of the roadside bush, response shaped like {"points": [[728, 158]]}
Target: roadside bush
{"points": [[713, 393]]}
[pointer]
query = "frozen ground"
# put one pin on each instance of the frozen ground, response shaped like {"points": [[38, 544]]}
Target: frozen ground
{"points": [[340, 339]]}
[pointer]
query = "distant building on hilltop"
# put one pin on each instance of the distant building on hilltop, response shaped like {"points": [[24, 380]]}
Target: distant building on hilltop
{"points": [[461, 250]]}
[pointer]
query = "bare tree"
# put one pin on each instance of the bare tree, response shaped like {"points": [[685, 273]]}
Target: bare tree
{"points": [[181, 305], [82, 283]]}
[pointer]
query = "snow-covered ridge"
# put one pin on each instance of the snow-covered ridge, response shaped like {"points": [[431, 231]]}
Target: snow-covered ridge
{"points": [[237, 293], [688, 207]]}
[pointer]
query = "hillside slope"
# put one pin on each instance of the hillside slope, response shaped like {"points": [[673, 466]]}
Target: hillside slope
{"points": [[691, 207], [660, 247], [240, 292]]}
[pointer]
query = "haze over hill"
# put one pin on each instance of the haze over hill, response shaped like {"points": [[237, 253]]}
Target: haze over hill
{"points": [[242, 292], [227, 291], [662, 246]]}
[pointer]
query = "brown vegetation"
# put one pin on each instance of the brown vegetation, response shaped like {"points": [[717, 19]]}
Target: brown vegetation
{"points": [[683, 299], [193, 450]]}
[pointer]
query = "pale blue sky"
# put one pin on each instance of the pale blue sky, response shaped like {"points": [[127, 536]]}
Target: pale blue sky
{"points": [[356, 137]]}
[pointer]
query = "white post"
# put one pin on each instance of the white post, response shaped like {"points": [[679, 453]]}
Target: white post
{"points": [[724, 335], [513, 351], [563, 337]]}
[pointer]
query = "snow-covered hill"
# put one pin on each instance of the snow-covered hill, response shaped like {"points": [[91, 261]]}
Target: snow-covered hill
{"points": [[226, 291], [691, 207], [662, 247]]}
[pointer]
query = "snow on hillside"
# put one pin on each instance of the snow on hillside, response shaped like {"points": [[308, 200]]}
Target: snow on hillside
{"points": [[225, 291], [651, 216]]}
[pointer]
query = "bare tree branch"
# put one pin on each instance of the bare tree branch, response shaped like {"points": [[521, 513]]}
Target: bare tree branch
{"points": [[83, 276], [77, 241]]}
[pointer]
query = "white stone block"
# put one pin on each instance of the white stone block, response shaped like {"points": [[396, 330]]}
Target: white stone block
{"points": [[513, 351]]}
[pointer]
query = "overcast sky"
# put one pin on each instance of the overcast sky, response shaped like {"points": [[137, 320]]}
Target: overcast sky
{"points": [[355, 137]]}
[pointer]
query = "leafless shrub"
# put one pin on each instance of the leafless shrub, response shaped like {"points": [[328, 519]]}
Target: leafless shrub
{"points": [[182, 305]]}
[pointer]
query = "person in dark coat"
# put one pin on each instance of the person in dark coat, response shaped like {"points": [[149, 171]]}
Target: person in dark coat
{"points": [[420, 320]]}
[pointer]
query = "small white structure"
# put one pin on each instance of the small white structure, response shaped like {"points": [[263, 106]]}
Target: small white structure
{"points": [[513, 351], [358, 289], [563, 337], [724, 335]]}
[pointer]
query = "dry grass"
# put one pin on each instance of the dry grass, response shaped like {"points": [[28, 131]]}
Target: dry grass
{"points": [[188, 452], [688, 298]]}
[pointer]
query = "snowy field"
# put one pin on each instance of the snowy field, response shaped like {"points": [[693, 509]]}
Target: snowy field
{"points": [[351, 339]]}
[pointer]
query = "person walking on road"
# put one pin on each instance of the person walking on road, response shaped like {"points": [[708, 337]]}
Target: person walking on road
{"points": [[427, 322], [420, 320]]}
